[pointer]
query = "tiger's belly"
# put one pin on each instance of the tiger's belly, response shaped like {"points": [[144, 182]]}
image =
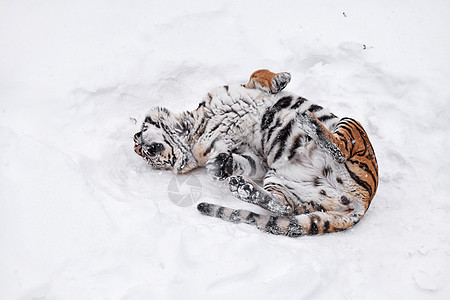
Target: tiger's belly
{"points": [[313, 174]]}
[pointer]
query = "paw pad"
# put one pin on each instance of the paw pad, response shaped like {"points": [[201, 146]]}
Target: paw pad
{"points": [[242, 189], [245, 191]]}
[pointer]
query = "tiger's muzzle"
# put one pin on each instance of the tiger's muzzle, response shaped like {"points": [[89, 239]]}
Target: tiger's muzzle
{"points": [[138, 146]]}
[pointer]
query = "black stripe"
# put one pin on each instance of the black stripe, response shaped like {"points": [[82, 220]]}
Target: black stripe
{"points": [[367, 145], [339, 134], [316, 206], [219, 212], [282, 138], [149, 120], [269, 134], [209, 148], [166, 141], [348, 129], [226, 87], [251, 218], [137, 136], [321, 208], [358, 127], [374, 164], [273, 184], [313, 229], [355, 123], [316, 181], [359, 181], [201, 128], [362, 152], [342, 139], [201, 104], [314, 108], [297, 143], [283, 103], [267, 118], [326, 117], [326, 171], [305, 208], [299, 102], [263, 139], [346, 119], [279, 190], [363, 136], [252, 163], [365, 167], [272, 226], [350, 133], [174, 158], [337, 229], [326, 226], [294, 228]]}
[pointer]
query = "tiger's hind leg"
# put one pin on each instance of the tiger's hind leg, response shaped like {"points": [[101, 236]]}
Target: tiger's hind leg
{"points": [[275, 201], [334, 143], [349, 144], [268, 81]]}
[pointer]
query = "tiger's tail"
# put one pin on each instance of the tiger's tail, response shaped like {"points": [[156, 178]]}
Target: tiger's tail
{"points": [[307, 224]]}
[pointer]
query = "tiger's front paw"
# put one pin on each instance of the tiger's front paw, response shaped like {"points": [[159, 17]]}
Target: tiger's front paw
{"points": [[221, 166]]}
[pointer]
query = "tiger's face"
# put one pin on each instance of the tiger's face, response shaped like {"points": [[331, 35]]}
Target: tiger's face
{"points": [[153, 144], [161, 142]]}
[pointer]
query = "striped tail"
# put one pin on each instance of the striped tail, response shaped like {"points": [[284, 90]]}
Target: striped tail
{"points": [[293, 226]]}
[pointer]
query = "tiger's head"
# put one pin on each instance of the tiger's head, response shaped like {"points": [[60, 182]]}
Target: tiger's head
{"points": [[162, 141]]}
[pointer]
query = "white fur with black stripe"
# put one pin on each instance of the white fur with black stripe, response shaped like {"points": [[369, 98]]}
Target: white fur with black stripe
{"points": [[248, 132]]}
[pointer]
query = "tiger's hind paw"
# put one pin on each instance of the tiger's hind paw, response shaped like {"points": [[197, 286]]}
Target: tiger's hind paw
{"points": [[311, 125], [280, 81], [242, 189], [308, 123]]}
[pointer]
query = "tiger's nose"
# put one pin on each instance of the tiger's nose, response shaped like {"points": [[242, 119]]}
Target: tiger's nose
{"points": [[138, 149]]}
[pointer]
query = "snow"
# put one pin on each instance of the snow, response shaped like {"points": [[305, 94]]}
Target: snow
{"points": [[83, 217]]}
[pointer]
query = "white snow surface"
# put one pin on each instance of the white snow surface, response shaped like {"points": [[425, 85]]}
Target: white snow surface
{"points": [[83, 217]]}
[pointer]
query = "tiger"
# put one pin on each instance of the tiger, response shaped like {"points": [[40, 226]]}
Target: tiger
{"points": [[319, 172]]}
